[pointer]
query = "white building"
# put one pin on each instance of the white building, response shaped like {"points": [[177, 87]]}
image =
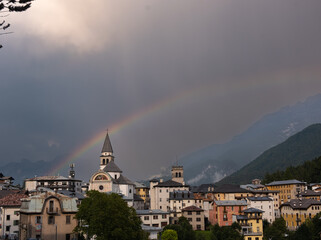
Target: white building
{"points": [[55, 183], [109, 177], [159, 190], [265, 204], [153, 218], [9, 214]]}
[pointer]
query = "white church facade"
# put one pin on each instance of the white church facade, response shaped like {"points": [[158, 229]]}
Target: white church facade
{"points": [[109, 177]]}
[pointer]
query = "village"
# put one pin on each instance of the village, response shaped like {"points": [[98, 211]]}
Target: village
{"points": [[45, 207]]}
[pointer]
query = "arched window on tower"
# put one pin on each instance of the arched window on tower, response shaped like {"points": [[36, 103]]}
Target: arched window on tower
{"points": [[107, 160], [176, 174], [104, 161], [179, 174]]}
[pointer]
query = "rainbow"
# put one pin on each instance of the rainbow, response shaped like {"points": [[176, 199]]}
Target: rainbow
{"points": [[253, 82]]}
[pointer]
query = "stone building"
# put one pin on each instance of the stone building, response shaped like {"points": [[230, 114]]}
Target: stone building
{"points": [[48, 216]]}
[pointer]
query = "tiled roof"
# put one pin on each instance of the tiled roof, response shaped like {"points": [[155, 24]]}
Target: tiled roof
{"points": [[230, 188], [150, 212], [12, 200], [309, 192], [301, 204], [112, 167], [252, 210], [180, 195], [169, 183], [192, 208], [231, 203], [140, 185], [123, 180], [260, 199], [285, 182], [4, 193], [47, 178]]}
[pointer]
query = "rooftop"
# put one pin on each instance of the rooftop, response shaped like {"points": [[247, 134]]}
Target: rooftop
{"points": [[169, 183], [231, 203], [285, 182], [301, 203], [112, 167], [259, 199], [230, 188], [192, 208]]}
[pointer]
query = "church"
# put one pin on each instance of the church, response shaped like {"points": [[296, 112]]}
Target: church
{"points": [[109, 177]]}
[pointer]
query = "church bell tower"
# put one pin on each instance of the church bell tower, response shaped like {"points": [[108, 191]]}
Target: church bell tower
{"points": [[106, 153]]}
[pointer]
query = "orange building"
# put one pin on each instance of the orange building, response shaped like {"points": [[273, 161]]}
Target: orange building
{"points": [[223, 211]]}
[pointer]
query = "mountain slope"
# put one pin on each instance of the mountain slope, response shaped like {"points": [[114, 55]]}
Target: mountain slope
{"points": [[303, 146], [214, 162]]}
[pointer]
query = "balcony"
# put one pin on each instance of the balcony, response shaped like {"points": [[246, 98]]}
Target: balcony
{"points": [[52, 211]]}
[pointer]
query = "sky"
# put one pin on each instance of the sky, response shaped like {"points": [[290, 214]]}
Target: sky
{"points": [[184, 73]]}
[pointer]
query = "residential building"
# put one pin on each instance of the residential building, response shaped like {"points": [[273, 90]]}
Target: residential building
{"points": [[288, 189], [223, 211], [177, 201], [271, 194], [153, 218], [9, 214], [265, 204], [56, 183], [309, 194], [109, 177], [251, 224], [142, 191], [296, 211], [231, 192], [48, 216], [195, 216], [159, 190]]}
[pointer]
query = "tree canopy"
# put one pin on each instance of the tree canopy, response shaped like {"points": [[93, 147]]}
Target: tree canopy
{"points": [[107, 216], [7, 6], [169, 234], [184, 229]]}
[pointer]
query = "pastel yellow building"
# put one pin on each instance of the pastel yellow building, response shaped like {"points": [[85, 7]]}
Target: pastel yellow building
{"points": [[288, 189], [251, 223], [142, 191], [297, 211]]}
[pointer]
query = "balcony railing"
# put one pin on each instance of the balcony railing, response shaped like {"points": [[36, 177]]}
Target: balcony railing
{"points": [[52, 211]]}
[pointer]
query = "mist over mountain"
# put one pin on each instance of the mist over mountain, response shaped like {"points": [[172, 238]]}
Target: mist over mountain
{"points": [[214, 162], [302, 146], [26, 168]]}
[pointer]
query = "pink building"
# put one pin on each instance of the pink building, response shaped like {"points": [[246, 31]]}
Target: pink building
{"points": [[223, 211]]}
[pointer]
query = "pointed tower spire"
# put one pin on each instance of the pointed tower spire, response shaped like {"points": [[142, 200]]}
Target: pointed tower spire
{"points": [[107, 145], [106, 153]]}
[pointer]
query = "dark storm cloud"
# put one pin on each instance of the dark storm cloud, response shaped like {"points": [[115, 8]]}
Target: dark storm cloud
{"points": [[63, 79]]}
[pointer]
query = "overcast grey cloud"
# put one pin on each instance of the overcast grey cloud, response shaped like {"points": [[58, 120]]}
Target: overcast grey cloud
{"points": [[71, 70]]}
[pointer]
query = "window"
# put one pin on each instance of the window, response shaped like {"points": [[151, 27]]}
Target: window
{"points": [[146, 218], [51, 220], [189, 213], [199, 227], [155, 217], [160, 199], [67, 236], [189, 219], [68, 219], [160, 190], [51, 206], [15, 222], [38, 219], [198, 219], [101, 187], [198, 213], [8, 228], [130, 191], [8, 217], [164, 216]]}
